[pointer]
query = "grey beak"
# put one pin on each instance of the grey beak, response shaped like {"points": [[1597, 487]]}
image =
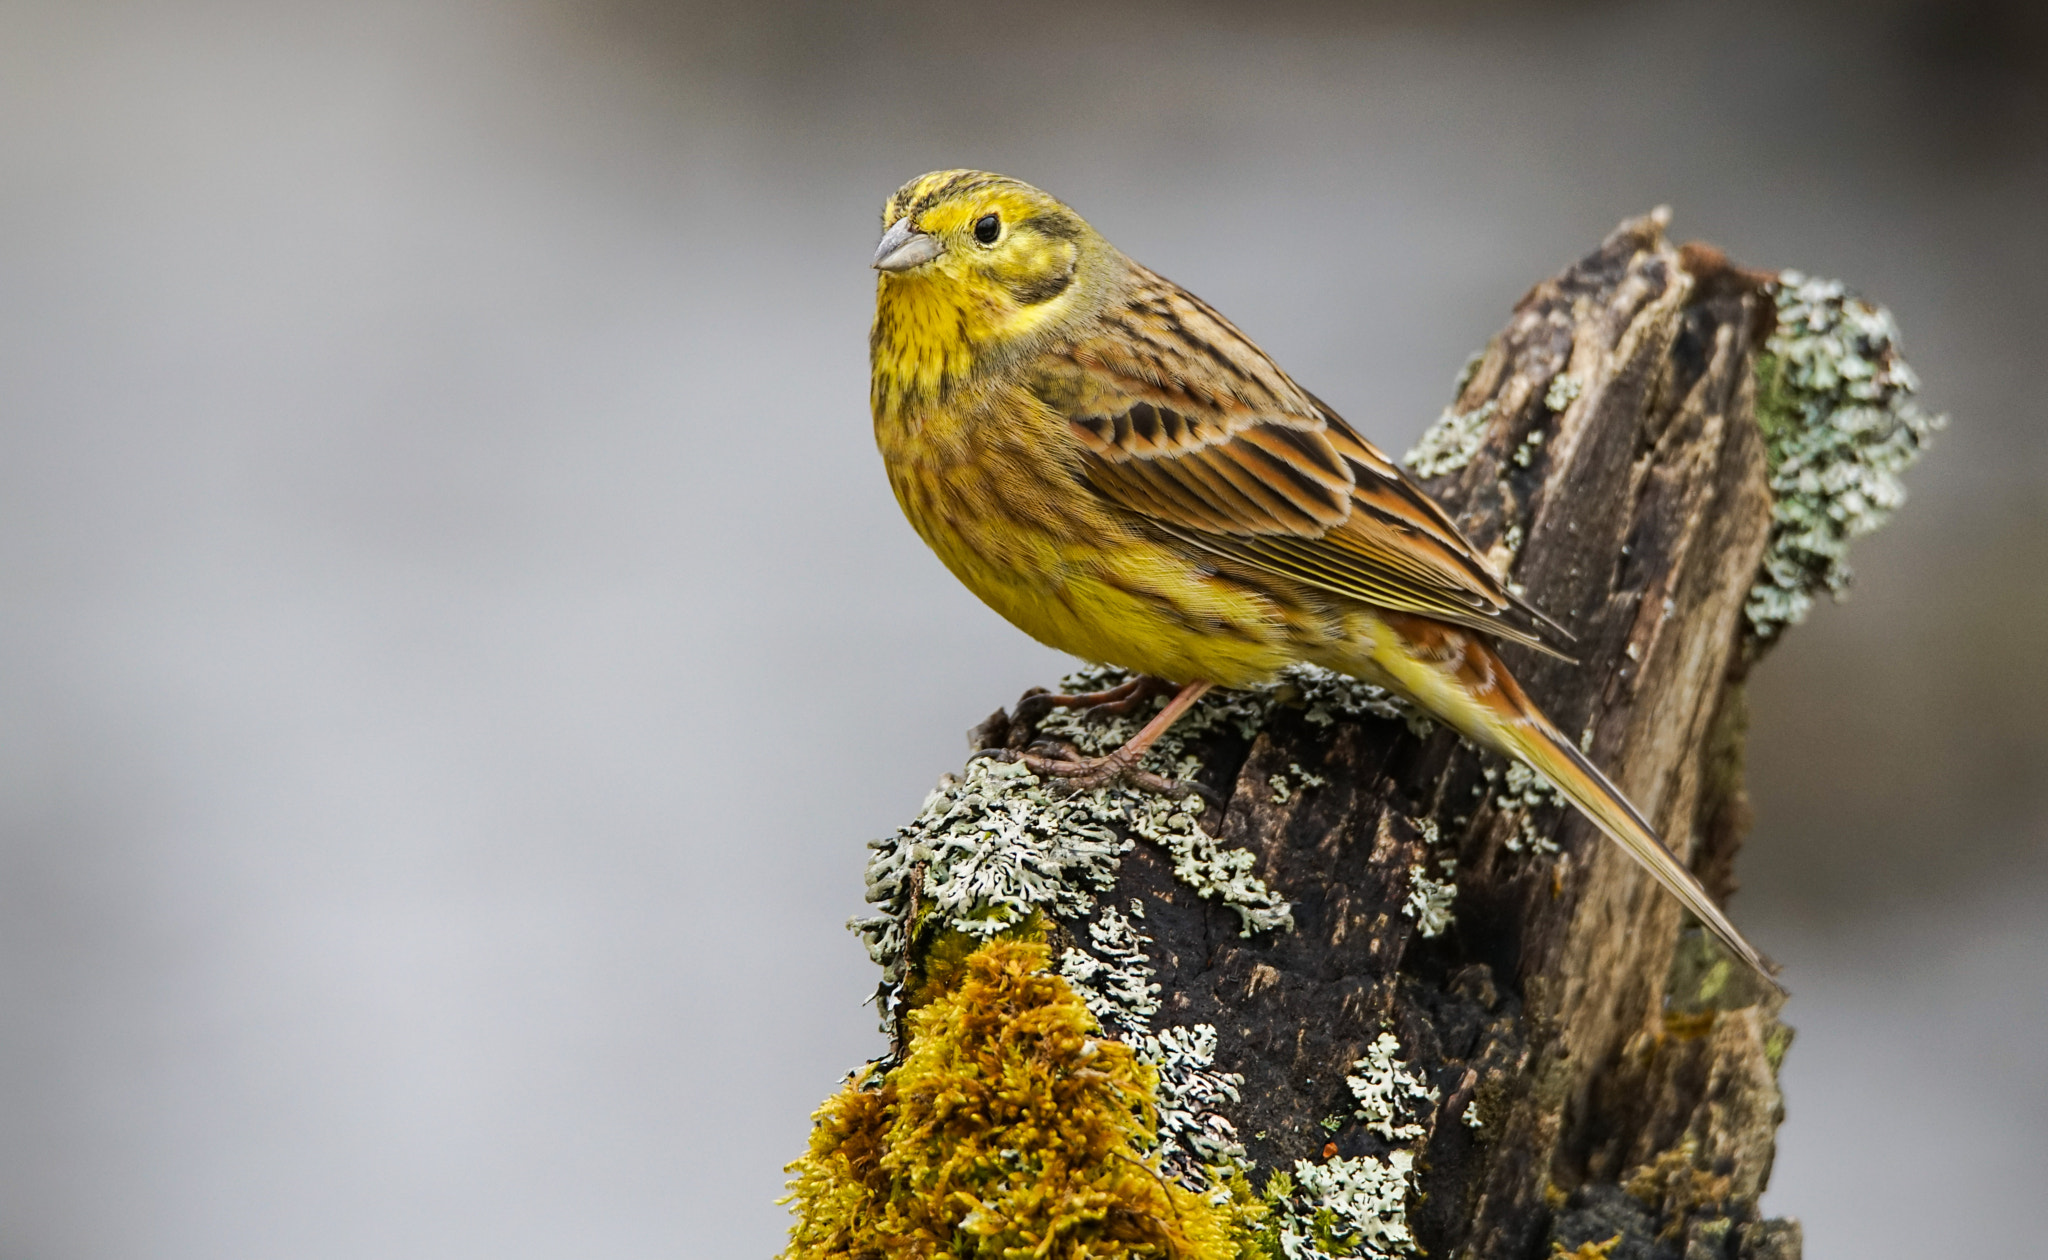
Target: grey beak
{"points": [[904, 247]]}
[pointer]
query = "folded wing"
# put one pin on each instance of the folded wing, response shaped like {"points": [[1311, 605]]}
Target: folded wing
{"points": [[1181, 419]]}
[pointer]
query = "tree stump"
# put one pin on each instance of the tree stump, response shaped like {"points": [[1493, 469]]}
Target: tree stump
{"points": [[1482, 1007]]}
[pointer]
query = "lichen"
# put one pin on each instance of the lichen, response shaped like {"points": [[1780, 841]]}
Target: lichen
{"points": [[1522, 793], [1283, 788], [1012, 1128], [1509, 546], [1357, 1206], [1835, 401], [989, 849], [1343, 1207], [1673, 1185], [1114, 980], [1451, 442], [1391, 1099], [1323, 696], [998, 857], [1563, 389], [1197, 1143], [1216, 871], [1429, 900]]}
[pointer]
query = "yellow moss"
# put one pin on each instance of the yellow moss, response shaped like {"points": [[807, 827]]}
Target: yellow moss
{"points": [[1011, 1129], [940, 966], [1673, 1185], [1584, 1251]]}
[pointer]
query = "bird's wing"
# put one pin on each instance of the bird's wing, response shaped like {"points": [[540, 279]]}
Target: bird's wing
{"points": [[1181, 419]]}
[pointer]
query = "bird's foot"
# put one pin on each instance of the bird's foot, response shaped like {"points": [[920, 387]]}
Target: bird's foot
{"points": [[1066, 765], [1120, 699]]}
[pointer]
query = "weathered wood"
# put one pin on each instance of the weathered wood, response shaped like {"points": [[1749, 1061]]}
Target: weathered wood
{"points": [[1620, 479]]}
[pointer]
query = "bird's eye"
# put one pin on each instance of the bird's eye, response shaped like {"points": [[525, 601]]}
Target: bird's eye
{"points": [[987, 228]]}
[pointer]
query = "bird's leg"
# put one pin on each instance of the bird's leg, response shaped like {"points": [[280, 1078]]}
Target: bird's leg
{"points": [[1121, 766], [1118, 699]]}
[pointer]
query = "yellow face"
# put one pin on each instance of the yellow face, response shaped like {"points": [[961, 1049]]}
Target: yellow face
{"points": [[970, 263], [985, 233]]}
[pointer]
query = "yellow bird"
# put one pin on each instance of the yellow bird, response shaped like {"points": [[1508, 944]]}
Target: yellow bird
{"points": [[1111, 465]]}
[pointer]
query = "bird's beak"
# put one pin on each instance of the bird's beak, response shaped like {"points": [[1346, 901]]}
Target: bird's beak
{"points": [[904, 247]]}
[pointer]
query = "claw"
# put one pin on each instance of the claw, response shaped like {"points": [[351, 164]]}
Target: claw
{"points": [[1085, 773], [1066, 764], [1036, 703]]}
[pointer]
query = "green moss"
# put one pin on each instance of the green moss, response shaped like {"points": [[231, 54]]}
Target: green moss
{"points": [[1012, 1128], [1835, 401], [1777, 1040]]}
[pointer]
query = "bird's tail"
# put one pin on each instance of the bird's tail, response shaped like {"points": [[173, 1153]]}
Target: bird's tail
{"points": [[1456, 676]]}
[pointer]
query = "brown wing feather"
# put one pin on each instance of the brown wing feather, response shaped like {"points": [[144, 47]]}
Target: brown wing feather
{"points": [[1181, 419]]}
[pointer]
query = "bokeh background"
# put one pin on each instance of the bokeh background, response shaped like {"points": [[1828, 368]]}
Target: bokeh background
{"points": [[457, 636]]}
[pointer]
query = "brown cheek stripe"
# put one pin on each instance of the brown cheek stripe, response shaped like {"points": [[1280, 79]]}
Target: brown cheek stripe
{"points": [[1037, 291]]}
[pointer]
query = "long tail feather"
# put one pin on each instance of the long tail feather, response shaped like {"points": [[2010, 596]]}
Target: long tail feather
{"points": [[1580, 782], [1458, 677]]}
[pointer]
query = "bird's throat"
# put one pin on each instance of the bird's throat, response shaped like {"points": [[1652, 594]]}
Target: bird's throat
{"points": [[926, 339]]}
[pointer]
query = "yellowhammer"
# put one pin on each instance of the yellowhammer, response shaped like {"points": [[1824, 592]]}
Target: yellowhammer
{"points": [[1111, 465]]}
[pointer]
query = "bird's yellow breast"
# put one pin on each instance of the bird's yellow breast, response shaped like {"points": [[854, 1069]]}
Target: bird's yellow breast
{"points": [[987, 479]]}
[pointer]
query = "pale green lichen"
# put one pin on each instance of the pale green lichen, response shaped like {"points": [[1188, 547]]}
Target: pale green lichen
{"points": [[1563, 389], [1327, 697], [1429, 900], [1391, 1100], [1511, 544], [1451, 442], [1525, 452], [1216, 871], [995, 850], [1357, 1206], [1115, 980], [1523, 793], [1323, 696], [1283, 788], [1195, 1143], [1835, 401], [1471, 1115], [1344, 1208], [1526, 792], [1198, 1146], [989, 849]]}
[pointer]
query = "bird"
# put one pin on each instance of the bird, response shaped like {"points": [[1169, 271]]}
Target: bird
{"points": [[1117, 470]]}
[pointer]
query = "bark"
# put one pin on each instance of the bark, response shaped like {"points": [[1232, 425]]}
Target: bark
{"points": [[1624, 1082]]}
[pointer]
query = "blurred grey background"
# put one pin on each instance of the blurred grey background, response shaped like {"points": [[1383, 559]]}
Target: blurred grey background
{"points": [[457, 635]]}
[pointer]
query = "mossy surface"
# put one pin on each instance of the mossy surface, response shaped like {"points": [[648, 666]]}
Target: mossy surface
{"points": [[1012, 1128]]}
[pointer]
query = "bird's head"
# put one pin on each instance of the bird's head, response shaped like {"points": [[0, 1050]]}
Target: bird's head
{"points": [[973, 265]]}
